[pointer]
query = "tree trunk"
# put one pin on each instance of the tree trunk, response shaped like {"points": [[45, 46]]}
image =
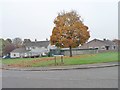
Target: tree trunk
{"points": [[70, 51]]}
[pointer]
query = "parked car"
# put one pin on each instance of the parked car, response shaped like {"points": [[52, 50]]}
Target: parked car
{"points": [[6, 56]]}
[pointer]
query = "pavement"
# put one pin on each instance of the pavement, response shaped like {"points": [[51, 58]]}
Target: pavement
{"points": [[71, 67]]}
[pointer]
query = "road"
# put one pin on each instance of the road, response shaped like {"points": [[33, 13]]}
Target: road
{"points": [[82, 78], [0, 79]]}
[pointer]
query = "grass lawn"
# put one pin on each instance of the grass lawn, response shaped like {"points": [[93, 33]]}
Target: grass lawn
{"points": [[75, 60]]}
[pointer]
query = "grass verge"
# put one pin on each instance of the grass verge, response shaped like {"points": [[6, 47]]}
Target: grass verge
{"points": [[75, 60]]}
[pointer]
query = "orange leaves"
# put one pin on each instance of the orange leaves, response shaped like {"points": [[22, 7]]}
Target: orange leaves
{"points": [[69, 30]]}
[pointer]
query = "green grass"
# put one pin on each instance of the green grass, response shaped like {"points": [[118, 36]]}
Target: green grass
{"points": [[98, 58], [75, 60]]}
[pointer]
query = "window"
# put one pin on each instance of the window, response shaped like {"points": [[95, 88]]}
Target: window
{"points": [[90, 47], [107, 47], [27, 48], [14, 54], [33, 47], [30, 48], [103, 47], [96, 47], [114, 47]]}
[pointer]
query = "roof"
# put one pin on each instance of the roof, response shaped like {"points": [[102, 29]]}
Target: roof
{"points": [[19, 50], [116, 41], [37, 43], [95, 40], [106, 42]]}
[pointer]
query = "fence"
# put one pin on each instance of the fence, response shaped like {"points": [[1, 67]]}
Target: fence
{"points": [[75, 51]]}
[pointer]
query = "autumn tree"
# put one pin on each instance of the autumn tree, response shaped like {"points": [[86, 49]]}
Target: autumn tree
{"points": [[69, 31]]}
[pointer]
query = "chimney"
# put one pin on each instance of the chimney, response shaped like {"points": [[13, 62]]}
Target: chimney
{"points": [[46, 39], [104, 39], [35, 40]]}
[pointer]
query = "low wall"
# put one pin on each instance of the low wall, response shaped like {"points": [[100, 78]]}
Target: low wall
{"points": [[79, 51]]}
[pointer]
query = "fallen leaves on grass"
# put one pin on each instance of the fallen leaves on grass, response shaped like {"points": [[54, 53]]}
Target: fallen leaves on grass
{"points": [[29, 63]]}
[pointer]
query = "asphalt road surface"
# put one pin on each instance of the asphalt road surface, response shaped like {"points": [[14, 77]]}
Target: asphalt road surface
{"points": [[0, 79], [81, 78]]}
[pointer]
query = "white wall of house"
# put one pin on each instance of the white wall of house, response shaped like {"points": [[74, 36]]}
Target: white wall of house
{"points": [[26, 54], [18, 55], [39, 51], [14, 55]]}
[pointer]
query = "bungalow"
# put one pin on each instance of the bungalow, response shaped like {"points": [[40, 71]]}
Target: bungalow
{"points": [[93, 46], [117, 42], [39, 47], [31, 49], [100, 45], [19, 52]]}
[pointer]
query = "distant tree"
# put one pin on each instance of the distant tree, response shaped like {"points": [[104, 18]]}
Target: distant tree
{"points": [[26, 41], [69, 31], [17, 42], [9, 40], [2, 45], [8, 48]]}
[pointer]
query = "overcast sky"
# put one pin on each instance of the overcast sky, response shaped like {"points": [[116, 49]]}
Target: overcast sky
{"points": [[34, 18]]}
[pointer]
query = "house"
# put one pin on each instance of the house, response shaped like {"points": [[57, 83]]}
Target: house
{"points": [[31, 49], [117, 42], [19, 52], [100, 44], [39, 47]]}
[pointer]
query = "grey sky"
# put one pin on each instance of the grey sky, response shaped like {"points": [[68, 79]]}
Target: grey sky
{"points": [[34, 18]]}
